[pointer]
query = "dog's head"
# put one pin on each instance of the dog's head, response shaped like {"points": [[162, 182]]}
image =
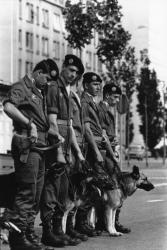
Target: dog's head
{"points": [[142, 181]]}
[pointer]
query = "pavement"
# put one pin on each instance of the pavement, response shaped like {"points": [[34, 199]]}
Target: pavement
{"points": [[145, 213]]}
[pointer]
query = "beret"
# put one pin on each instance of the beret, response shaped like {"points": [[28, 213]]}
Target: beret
{"points": [[74, 61], [91, 77], [111, 89], [48, 66]]}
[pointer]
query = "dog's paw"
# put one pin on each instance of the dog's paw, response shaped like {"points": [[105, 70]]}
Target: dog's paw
{"points": [[115, 234]]}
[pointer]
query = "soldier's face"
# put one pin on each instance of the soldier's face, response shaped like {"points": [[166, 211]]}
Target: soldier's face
{"points": [[41, 79], [113, 99], [70, 73], [93, 88]]}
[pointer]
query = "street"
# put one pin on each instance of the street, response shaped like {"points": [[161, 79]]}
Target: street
{"points": [[144, 212]]}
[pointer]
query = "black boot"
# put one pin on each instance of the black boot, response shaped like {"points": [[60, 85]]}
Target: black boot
{"points": [[82, 224], [49, 239], [72, 232], [18, 241], [58, 231], [33, 238], [120, 228]]}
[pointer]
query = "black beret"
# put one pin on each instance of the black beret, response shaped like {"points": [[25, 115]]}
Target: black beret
{"points": [[48, 66], [91, 77], [111, 89], [75, 61]]}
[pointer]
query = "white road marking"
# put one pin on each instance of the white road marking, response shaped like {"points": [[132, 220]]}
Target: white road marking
{"points": [[158, 178], [154, 200], [160, 184]]}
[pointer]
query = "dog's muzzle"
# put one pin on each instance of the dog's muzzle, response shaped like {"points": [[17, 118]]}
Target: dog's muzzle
{"points": [[148, 186]]}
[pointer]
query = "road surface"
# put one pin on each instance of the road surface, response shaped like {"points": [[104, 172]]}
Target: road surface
{"points": [[144, 212]]}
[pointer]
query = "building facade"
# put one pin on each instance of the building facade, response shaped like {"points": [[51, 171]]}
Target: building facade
{"points": [[32, 30]]}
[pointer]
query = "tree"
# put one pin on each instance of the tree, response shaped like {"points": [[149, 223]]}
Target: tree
{"points": [[114, 51], [150, 106], [80, 23]]}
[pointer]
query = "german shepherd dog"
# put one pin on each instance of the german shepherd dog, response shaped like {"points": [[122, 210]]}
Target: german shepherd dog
{"points": [[85, 189], [113, 199]]}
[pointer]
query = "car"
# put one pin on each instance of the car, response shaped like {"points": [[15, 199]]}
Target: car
{"points": [[136, 151]]}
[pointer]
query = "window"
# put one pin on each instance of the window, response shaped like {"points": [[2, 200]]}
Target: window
{"points": [[37, 14], [63, 50], [29, 13], [20, 38], [45, 46], [28, 67], [20, 9], [69, 49], [56, 50], [56, 22], [29, 40], [45, 16], [88, 59], [19, 68], [37, 44]]}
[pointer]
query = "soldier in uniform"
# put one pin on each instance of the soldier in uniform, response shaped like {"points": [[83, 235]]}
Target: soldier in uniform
{"points": [[111, 96], [26, 106], [56, 187], [94, 137], [77, 170]]}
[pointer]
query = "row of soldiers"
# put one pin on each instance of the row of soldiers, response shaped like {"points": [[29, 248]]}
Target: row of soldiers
{"points": [[58, 134]]}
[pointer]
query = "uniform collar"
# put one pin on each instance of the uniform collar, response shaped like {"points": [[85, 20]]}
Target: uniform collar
{"points": [[30, 84], [87, 97], [75, 95]]}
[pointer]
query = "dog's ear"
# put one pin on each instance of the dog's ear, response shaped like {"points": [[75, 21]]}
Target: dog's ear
{"points": [[135, 172]]}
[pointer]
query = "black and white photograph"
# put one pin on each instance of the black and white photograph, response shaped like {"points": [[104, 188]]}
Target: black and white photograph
{"points": [[83, 124]]}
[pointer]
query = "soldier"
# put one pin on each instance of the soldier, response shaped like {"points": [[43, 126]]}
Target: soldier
{"points": [[26, 106], [76, 170], [94, 137], [57, 183], [111, 96]]}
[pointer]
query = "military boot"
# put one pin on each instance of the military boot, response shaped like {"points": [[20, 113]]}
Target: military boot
{"points": [[18, 241], [120, 228], [58, 231], [49, 239], [32, 237], [82, 224], [72, 232]]}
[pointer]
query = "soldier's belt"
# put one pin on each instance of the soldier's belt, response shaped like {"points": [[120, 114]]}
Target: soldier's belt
{"points": [[25, 143], [63, 122], [24, 132], [98, 138]]}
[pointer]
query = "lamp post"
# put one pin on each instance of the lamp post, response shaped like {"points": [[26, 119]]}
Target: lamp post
{"points": [[164, 124], [146, 130]]}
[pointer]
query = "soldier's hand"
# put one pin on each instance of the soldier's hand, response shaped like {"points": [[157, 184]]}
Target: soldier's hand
{"points": [[61, 138], [115, 142], [33, 133], [80, 157], [99, 158]]}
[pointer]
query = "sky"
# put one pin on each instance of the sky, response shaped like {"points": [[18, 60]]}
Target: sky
{"points": [[147, 22]]}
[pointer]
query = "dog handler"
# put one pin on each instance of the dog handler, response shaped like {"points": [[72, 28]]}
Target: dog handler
{"points": [[56, 185], [93, 133], [111, 96], [26, 106]]}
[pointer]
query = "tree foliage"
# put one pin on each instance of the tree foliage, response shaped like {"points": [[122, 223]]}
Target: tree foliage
{"points": [[79, 23], [150, 106]]}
